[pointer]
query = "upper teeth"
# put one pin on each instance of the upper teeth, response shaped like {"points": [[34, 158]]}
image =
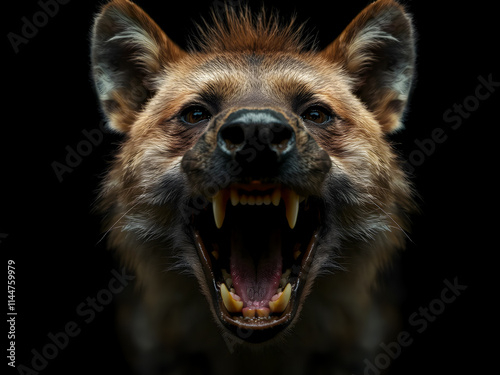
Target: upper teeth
{"points": [[292, 206], [290, 198], [219, 202]]}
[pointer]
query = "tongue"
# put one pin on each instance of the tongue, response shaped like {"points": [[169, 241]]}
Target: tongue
{"points": [[255, 263]]}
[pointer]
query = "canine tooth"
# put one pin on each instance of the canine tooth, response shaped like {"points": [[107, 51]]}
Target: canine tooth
{"points": [[235, 296], [219, 205], [232, 305], [235, 198], [292, 206], [267, 199], [251, 200], [275, 198], [279, 305]]}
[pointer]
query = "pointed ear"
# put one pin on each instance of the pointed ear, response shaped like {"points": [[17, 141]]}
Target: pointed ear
{"points": [[128, 50], [377, 50]]}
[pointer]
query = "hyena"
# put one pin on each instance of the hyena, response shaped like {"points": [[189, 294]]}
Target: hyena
{"points": [[256, 194]]}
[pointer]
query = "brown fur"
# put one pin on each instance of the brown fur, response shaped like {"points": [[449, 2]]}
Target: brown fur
{"points": [[242, 60]]}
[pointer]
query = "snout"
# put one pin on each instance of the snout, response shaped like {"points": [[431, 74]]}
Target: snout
{"points": [[259, 140], [249, 145], [261, 173]]}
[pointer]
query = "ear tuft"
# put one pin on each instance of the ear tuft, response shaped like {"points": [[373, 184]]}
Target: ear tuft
{"points": [[377, 50], [128, 50]]}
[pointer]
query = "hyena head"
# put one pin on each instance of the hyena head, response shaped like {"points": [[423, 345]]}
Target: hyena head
{"points": [[253, 159]]}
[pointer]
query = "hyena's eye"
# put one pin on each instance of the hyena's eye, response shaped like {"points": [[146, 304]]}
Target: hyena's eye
{"points": [[195, 114], [316, 114]]}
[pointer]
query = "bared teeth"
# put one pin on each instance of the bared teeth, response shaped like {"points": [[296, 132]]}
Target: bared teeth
{"points": [[235, 198], [263, 312], [276, 197], [219, 202], [291, 199], [259, 312], [234, 304], [232, 301], [243, 200], [267, 200], [248, 312], [280, 301]]}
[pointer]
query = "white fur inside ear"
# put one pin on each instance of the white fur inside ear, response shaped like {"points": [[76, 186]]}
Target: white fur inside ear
{"points": [[104, 83], [377, 51], [128, 51], [358, 55], [135, 36]]}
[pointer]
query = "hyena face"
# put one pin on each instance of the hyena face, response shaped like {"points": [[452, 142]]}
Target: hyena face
{"points": [[254, 160]]}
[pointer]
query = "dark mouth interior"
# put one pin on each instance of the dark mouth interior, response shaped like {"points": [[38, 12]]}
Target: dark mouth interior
{"points": [[255, 261]]}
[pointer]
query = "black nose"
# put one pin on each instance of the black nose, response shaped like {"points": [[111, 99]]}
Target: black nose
{"points": [[259, 140]]}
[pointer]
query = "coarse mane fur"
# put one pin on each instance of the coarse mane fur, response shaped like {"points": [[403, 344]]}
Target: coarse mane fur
{"points": [[239, 29]]}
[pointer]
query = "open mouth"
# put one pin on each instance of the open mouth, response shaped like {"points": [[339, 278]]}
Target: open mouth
{"points": [[256, 243]]}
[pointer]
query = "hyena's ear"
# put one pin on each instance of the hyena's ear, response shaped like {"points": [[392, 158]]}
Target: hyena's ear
{"points": [[128, 51], [377, 50]]}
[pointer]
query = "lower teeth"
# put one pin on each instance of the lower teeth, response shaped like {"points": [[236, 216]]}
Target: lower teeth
{"points": [[231, 301], [281, 302], [277, 304]]}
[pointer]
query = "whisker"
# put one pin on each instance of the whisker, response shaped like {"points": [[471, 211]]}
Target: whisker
{"points": [[116, 222], [394, 221]]}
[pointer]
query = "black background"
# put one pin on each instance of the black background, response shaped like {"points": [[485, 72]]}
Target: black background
{"points": [[48, 228]]}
